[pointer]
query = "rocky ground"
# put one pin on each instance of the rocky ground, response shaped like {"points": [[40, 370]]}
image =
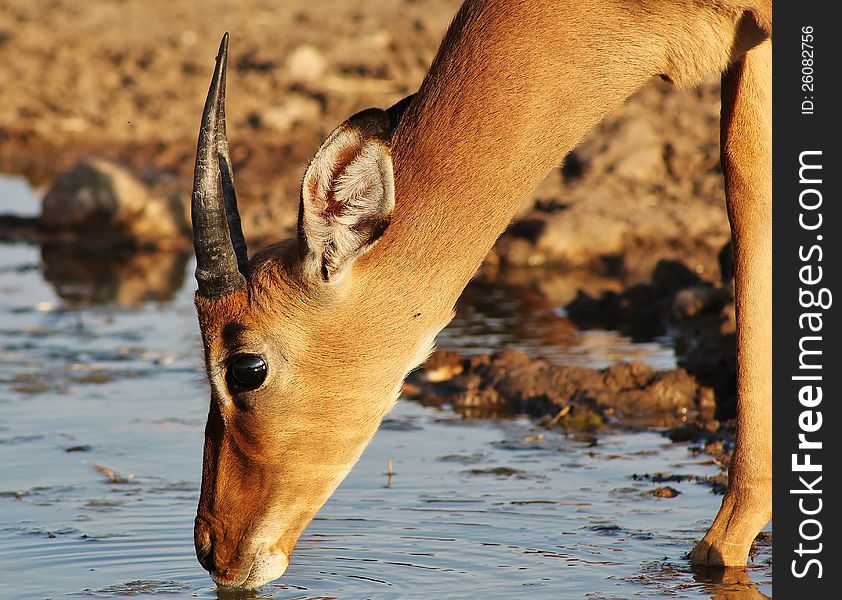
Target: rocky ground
{"points": [[126, 81], [626, 234]]}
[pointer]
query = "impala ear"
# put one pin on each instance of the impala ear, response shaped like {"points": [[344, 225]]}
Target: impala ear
{"points": [[762, 14], [347, 195]]}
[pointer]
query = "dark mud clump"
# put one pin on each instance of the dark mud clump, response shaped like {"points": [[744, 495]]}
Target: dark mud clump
{"points": [[664, 491], [697, 313], [577, 398]]}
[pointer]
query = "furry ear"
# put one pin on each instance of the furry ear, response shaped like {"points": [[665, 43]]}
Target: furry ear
{"points": [[347, 195], [754, 27], [762, 14]]}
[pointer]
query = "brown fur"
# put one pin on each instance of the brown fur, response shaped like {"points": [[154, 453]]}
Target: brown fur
{"points": [[514, 87]]}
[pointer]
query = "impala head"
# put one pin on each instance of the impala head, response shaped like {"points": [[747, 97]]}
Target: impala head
{"points": [[302, 350]]}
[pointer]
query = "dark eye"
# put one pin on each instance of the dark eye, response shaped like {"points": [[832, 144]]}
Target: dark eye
{"points": [[245, 372]]}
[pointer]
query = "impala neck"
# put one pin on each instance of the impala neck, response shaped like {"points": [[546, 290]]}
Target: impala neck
{"points": [[510, 92], [513, 88]]}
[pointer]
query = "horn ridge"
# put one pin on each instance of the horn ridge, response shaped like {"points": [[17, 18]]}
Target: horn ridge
{"points": [[229, 193], [217, 270]]}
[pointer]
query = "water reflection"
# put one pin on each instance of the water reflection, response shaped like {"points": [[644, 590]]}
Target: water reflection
{"points": [[490, 315], [727, 583], [523, 313], [127, 279], [90, 272]]}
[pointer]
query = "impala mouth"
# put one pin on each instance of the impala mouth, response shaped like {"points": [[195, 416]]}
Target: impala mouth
{"points": [[264, 568]]}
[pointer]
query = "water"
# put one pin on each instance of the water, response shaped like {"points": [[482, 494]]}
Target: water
{"points": [[16, 197], [495, 317], [102, 406]]}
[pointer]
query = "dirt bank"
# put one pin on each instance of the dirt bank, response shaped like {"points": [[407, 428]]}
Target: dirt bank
{"points": [[126, 80], [582, 399]]}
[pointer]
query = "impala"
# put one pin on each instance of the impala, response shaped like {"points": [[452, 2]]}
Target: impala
{"points": [[307, 343]]}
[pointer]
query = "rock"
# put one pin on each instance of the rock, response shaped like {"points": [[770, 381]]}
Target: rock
{"points": [[306, 63], [619, 223], [695, 300], [633, 149], [643, 185], [294, 110], [443, 365], [103, 203], [664, 491]]}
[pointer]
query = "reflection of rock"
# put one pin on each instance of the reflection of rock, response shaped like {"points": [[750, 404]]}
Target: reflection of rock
{"points": [[579, 398], [102, 204], [127, 279], [555, 286]]}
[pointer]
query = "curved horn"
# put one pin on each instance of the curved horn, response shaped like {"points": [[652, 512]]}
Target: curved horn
{"points": [[220, 265]]}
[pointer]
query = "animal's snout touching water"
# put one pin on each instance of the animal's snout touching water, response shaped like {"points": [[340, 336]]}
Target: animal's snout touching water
{"points": [[299, 384], [308, 342]]}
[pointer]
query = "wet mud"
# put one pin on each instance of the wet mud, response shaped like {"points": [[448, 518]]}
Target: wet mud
{"points": [[579, 399]]}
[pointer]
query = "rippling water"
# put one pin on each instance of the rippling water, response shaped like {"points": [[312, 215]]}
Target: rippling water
{"points": [[101, 415]]}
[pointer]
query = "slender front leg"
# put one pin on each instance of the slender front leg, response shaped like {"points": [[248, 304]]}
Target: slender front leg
{"points": [[747, 164]]}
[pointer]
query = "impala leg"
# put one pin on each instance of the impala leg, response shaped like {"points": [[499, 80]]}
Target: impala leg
{"points": [[747, 164]]}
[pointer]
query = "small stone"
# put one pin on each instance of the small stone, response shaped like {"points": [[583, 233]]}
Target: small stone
{"points": [[306, 63], [295, 109], [695, 300], [665, 491], [80, 448], [443, 365]]}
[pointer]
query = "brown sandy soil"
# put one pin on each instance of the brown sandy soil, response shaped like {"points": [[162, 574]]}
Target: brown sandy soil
{"points": [[125, 80], [644, 185]]}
